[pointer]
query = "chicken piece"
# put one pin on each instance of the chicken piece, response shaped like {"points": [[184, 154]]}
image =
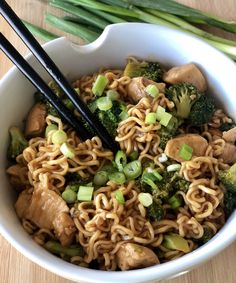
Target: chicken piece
{"points": [[23, 203], [196, 142], [132, 256], [17, 172], [64, 228], [230, 135], [35, 122], [136, 88], [188, 73], [229, 153], [48, 210]]}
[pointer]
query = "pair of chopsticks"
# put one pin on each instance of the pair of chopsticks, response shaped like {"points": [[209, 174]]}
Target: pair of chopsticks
{"points": [[53, 70]]}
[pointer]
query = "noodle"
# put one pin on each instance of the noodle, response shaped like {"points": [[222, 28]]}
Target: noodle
{"points": [[104, 224]]}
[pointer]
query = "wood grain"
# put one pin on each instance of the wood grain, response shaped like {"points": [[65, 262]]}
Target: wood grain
{"points": [[15, 268]]}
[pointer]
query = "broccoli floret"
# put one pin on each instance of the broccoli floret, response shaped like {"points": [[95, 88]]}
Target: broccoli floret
{"points": [[202, 111], [171, 183], [111, 118], [149, 70], [17, 143], [39, 98], [155, 211], [207, 235], [227, 126], [167, 133], [228, 178], [229, 202], [74, 179], [163, 189], [183, 95]]}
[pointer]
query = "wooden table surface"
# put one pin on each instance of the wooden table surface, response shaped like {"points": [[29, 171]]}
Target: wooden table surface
{"points": [[15, 268]]}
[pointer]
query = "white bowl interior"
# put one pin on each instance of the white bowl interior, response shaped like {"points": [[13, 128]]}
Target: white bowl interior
{"points": [[117, 42]]}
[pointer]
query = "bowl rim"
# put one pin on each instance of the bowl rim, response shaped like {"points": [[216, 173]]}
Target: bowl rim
{"points": [[221, 240]]}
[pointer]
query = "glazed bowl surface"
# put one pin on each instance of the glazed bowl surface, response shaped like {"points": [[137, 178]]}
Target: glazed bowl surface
{"points": [[111, 49]]}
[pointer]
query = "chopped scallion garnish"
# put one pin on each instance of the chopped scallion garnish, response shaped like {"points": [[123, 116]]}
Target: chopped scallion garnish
{"points": [[99, 85], [113, 94], [49, 128], [152, 90], [163, 158], [120, 197], [133, 155], [145, 199], [104, 103], [100, 178], [77, 90], [175, 201], [67, 150], [151, 118], [173, 167], [186, 152], [85, 193], [120, 160], [160, 112], [165, 119], [117, 177], [69, 196], [133, 169], [156, 175], [59, 137]]}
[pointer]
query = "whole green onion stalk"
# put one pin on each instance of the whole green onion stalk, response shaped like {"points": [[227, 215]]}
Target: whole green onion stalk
{"points": [[88, 18]]}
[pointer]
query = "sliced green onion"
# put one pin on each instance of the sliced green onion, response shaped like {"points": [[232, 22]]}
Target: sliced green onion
{"points": [[56, 248], [156, 175], [69, 196], [160, 112], [85, 193], [151, 118], [165, 119], [123, 115], [163, 158], [120, 197], [148, 179], [109, 168], [133, 155], [152, 90], [49, 128], [99, 85], [104, 103], [173, 167], [113, 94], [117, 177], [67, 150], [100, 178], [77, 90], [186, 152], [176, 242], [74, 187], [145, 199], [175, 201], [133, 169], [120, 160], [59, 137]]}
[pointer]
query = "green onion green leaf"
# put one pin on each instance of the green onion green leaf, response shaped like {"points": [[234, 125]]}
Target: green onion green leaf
{"points": [[120, 197], [186, 152], [59, 137], [99, 85], [85, 193]]}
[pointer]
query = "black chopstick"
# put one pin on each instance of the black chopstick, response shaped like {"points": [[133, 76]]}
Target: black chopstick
{"points": [[38, 82], [52, 69]]}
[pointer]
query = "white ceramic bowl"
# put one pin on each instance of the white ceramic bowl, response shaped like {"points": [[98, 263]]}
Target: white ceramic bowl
{"points": [[111, 49]]}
